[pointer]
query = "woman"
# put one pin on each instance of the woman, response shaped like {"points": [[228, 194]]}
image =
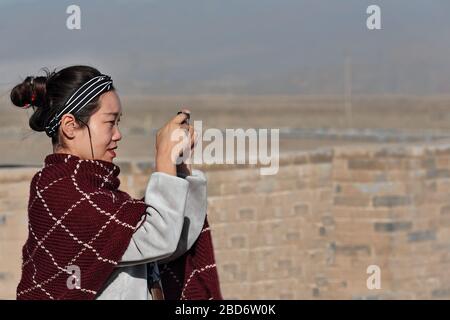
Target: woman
{"points": [[88, 239]]}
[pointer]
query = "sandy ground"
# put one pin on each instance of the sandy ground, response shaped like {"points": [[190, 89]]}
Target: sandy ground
{"points": [[143, 115]]}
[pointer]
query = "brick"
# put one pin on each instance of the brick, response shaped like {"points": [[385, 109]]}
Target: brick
{"points": [[233, 176], [428, 163], [355, 201], [391, 201], [236, 291], [145, 167], [2, 219], [304, 183], [442, 162], [367, 297], [321, 156], [370, 188], [300, 209], [287, 263], [230, 189], [438, 151], [238, 242], [286, 185], [315, 292], [355, 175], [4, 275], [440, 185], [322, 231], [328, 220], [300, 158], [125, 167], [431, 186], [325, 195], [418, 236], [246, 214], [437, 173], [321, 281], [232, 233], [287, 296], [14, 227], [392, 226], [214, 189], [353, 250], [391, 153], [293, 236], [230, 270], [245, 187], [445, 210], [441, 293], [265, 185], [365, 164]]}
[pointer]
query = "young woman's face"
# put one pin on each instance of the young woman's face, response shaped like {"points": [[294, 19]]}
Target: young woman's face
{"points": [[103, 125]]}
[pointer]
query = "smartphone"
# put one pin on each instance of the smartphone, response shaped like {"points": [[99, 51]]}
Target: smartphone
{"points": [[186, 121]]}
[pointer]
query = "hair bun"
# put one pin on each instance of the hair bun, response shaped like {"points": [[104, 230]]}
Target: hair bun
{"points": [[31, 92], [47, 93]]}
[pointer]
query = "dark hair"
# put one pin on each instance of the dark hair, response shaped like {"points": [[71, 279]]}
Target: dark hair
{"points": [[50, 94]]}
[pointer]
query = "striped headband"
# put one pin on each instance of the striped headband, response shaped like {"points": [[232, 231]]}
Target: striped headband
{"points": [[79, 99]]}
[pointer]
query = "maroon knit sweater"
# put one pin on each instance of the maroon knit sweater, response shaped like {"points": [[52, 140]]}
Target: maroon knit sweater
{"points": [[193, 276], [79, 220]]}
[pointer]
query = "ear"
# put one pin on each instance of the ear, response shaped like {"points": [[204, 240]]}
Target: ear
{"points": [[69, 125]]}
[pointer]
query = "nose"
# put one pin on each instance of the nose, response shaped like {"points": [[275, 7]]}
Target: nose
{"points": [[117, 134]]}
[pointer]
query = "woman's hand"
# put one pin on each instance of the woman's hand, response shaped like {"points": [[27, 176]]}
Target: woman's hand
{"points": [[185, 168], [171, 140]]}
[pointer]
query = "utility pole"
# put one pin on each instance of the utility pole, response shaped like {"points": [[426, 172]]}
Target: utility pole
{"points": [[348, 91]]}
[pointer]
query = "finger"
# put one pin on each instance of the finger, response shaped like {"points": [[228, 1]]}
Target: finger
{"points": [[185, 110], [188, 112], [192, 135], [180, 118], [194, 140], [184, 126], [188, 133]]}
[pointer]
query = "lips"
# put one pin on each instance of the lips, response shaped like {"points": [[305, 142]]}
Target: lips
{"points": [[112, 152]]}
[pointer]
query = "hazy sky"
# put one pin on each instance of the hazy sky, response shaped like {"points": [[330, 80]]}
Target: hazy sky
{"points": [[234, 46]]}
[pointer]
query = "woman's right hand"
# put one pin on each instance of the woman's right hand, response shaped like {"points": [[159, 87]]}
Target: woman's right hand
{"points": [[169, 143]]}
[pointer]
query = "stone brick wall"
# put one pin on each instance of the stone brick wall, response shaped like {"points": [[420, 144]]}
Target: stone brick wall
{"points": [[309, 232]]}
